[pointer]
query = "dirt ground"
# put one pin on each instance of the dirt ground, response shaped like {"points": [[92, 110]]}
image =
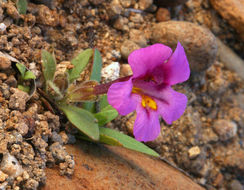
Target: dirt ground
{"points": [[207, 141]]}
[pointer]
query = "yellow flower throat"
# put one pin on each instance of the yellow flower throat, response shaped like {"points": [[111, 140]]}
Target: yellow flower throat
{"points": [[146, 100]]}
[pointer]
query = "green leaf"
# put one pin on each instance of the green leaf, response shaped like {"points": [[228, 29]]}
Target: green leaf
{"points": [[22, 6], [106, 115], [89, 106], [29, 75], [109, 140], [21, 68], [97, 66], [126, 141], [48, 65], [24, 88], [103, 102], [82, 119], [79, 63]]}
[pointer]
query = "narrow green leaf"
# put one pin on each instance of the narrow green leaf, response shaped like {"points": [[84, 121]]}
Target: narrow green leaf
{"points": [[48, 65], [24, 88], [21, 68], [22, 6], [103, 102], [127, 142], [82, 119], [29, 75], [109, 140], [106, 115], [79, 63], [97, 66]]}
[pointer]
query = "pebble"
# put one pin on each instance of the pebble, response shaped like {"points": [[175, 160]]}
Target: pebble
{"points": [[111, 72], [10, 165], [201, 49], [3, 176], [2, 27], [193, 152], [5, 63], [138, 37], [145, 4], [47, 16], [18, 99], [236, 185], [125, 70], [121, 24], [126, 3], [225, 129], [127, 47], [162, 15], [233, 12]]}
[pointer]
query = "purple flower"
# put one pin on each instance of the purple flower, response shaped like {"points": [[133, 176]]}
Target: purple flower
{"points": [[149, 90]]}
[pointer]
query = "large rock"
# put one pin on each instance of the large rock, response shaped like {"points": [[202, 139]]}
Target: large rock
{"points": [[233, 12], [199, 43], [106, 167]]}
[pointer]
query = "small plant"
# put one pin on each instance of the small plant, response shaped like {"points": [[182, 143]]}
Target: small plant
{"points": [[21, 6], [63, 90], [26, 79]]}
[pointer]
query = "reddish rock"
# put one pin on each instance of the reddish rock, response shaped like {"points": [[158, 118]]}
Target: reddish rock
{"points": [[105, 167], [162, 15], [233, 12]]}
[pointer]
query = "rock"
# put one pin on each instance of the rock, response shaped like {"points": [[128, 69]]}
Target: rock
{"points": [[3, 176], [201, 49], [121, 23], [125, 3], [162, 15], [138, 37], [3, 27], [10, 165], [18, 99], [107, 167], [111, 72], [127, 47], [145, 4], [170, 3], [12, 11], [47, 16], [194, 152], [5, 63], [125, 70], [11, 81], [233, 12], [236, 185], [225, 129], [234, 162]]}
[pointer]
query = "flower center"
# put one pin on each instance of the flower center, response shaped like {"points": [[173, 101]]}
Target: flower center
{"points": [[146, 102]]}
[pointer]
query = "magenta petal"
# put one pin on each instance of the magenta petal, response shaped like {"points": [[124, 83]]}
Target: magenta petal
{"points": [[120, 97], [177, 69], [172, 105], [146, 126], [144, 60]]}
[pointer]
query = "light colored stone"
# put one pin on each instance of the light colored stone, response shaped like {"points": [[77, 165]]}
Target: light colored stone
{"points": [[201, 49], [111, 72], [194, 152], [125, 70], [225, 129], [233, 12]]}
